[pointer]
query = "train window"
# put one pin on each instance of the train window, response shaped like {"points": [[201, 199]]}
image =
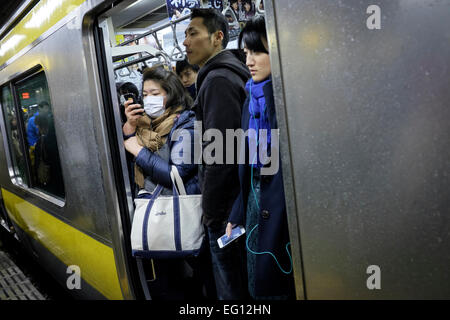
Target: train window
{"points": [[17, 171], [40, 138]]}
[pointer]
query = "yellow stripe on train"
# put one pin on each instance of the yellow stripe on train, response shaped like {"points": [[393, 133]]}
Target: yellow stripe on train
{"points": [[41, 18], [71, 246]]}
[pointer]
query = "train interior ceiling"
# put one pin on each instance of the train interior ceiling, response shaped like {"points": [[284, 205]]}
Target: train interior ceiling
{"points": [[126, 21], [157, 40]]}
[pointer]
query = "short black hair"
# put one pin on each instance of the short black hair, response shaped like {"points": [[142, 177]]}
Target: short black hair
{"points": [[214, 21], [240, 54], [43, 104], [176, 93], [252, 34], [184, 64], [128, 87]]}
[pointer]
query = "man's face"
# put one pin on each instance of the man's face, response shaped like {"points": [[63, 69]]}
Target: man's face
{"points": [[200, 45], [188, 77]]}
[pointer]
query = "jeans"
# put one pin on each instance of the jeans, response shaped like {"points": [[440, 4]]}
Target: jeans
{"points": [[228, 266]]}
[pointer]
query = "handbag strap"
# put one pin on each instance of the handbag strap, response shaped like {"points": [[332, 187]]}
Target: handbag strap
{"points": [[155, 195], [176, 180]]}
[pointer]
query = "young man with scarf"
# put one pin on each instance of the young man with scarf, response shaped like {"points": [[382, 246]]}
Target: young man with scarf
{"points": [[261, 205], [220, 95]]}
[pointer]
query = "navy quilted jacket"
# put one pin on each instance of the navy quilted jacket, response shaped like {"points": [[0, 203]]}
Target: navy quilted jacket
{"points": [[159, 170]]}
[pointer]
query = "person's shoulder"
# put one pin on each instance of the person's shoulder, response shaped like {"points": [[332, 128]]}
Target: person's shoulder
{"points": [[219, 85], [187, 115], [224, 77], [185, 119], [218, 72]]}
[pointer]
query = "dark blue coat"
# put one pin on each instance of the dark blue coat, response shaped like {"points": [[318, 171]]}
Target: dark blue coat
{"points": [[158, 169], [272, 230]]}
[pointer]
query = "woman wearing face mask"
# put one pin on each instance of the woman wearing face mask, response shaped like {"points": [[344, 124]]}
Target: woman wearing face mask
{"points": [[260, 206], [148, 133]]}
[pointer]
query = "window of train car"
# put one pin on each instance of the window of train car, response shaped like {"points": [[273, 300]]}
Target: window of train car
{"points": [[17, 171], [40, 137]]}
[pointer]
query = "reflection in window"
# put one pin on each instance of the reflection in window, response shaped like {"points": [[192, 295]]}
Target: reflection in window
{"points": [[17, 156], [40, 134]]}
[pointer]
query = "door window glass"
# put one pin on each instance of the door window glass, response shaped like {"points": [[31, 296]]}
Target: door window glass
{"points": [[40, 136], [12, 130]]}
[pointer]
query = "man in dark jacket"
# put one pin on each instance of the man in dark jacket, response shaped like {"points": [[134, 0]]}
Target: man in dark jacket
{"points": [[220, 96]]}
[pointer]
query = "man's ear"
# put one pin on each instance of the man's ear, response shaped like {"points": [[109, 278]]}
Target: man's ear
{"points": [[218, 37]]}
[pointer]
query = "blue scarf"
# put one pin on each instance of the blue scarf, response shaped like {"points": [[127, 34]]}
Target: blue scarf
{"points": [[258, 117]]}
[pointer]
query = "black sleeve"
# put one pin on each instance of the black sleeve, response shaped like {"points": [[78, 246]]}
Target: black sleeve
{"points": [[220, 183]]}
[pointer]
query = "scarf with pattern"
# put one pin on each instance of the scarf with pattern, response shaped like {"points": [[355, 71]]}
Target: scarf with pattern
{"points": [[152, 134]]}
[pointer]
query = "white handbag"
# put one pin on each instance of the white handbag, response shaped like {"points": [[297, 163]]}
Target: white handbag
{"points": [[168, 226]]}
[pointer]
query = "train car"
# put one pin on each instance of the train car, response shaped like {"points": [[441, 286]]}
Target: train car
{"points": [[362, 99]]}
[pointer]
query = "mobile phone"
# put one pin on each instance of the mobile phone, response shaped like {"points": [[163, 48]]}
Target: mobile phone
{"points": [[236, 232], [129, 96], [132, 96]]}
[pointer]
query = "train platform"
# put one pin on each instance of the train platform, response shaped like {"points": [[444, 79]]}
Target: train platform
{"points": [[14, 284]]}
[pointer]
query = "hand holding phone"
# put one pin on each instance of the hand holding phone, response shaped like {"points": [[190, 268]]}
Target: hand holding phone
{"points": [[134, 99], [225, 240]]}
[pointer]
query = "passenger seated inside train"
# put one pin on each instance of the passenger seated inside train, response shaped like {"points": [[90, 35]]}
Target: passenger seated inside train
{"points": [[147, 133]]}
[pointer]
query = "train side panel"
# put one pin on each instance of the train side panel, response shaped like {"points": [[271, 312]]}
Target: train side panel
{"points": [[82, 228]]}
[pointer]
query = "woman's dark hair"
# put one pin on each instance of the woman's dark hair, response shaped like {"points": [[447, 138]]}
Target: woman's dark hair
{"points": [[252, 34], [169, 81]]}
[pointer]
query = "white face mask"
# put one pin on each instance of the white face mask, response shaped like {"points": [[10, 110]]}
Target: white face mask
{"points": [[154, 106]]}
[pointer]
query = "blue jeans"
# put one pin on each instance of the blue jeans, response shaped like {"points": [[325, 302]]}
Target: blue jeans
{"points": [[228, 266]]}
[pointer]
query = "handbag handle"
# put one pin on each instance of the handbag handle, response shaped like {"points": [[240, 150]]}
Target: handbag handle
{"points": [[176, 180]]}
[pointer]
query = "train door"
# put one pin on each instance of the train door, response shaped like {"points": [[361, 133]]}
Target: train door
{"points": [[362, 92], [129, 37]]}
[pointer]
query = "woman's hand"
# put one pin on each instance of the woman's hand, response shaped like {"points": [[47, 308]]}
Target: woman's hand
{"points": [[133, 112], [132, 146], [230, 226]]}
